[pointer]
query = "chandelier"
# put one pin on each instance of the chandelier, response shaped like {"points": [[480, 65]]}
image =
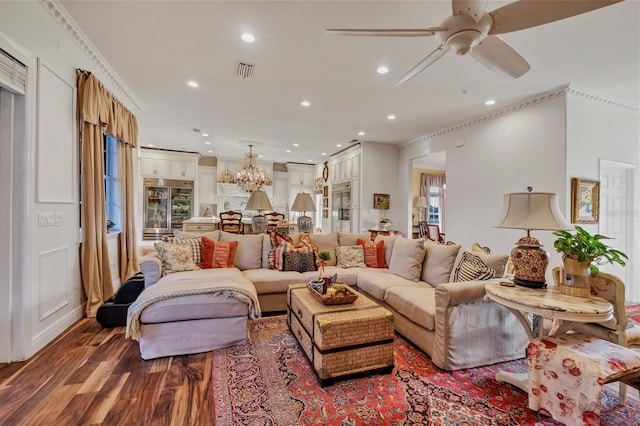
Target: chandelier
{"points": [[250, 177]]}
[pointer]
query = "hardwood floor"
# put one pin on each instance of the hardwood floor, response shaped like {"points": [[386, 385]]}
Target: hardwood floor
{"points": [[91, 375]]}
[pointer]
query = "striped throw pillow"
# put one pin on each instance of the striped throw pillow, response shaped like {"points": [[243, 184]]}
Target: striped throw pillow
{"points": [[472, 268], [373, 253], [217, 254]]}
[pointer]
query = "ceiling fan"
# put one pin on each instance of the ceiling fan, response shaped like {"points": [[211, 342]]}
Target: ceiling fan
{"points": [[472, 30]]}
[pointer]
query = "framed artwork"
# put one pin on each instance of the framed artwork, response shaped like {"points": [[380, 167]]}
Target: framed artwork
{"points": [[325, 214], [325, 191], [585, 200], [317, 185], [381, 201], [325, 203]]}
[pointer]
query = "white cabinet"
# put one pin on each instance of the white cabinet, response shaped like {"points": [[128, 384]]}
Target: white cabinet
{"points": [[183, 169], [168, 164], [300, 180], [280, 190], [207, 184], [345, 166], [152, 166]]}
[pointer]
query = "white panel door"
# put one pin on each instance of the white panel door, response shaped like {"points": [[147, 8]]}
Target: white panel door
{"points": [[616, 205]]}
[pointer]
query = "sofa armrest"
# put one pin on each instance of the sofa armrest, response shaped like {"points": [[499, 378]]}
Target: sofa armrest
{"points": [[151, 267], [452, 294]]}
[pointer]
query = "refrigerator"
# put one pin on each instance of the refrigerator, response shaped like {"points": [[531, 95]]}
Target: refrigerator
{"points": [[166, 203]]}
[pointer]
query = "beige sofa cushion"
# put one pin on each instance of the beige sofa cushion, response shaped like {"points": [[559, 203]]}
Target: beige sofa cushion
{"points": [[249, 251], [416, 303], [388, 245], [497, 262], [268, 281], [376, 283], [438, 262], [351, 239], [406, 258], [266, 248], [213, 235], [326, 242]]}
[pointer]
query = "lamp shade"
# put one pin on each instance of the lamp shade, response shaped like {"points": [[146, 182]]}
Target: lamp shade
{"points": [[532, 210], [258, 200], [420, 202], [303, 203]]}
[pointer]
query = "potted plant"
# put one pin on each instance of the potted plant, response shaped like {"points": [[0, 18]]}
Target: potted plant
{"points": [[323, 257], [582, 246], [582, 252]]}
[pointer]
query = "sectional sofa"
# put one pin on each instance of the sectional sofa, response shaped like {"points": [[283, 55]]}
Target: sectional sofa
{"points": [[450, 321]]}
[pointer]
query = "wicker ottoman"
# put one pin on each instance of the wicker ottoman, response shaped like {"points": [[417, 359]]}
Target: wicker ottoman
{"points": [[341, 340]]}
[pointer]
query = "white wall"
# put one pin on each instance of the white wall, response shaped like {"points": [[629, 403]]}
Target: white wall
{"points": [[50, 288], [600, 130], [379, 174]]}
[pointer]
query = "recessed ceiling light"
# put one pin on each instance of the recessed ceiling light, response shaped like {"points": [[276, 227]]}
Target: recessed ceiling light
{"points": [[296, 144], [490, 102], [260, 156], [204, 135], [192, 83], [391, 117], [209, 151], [247, 38], [305, 103], [338, 145], [324, 153], [360, 133], [382, 70], [309, 161], [207, 143], [150, 144], [288, 150]]}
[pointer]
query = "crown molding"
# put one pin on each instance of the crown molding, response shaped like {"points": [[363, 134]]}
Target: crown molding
{"points": [[67, 23], [564, 90]]}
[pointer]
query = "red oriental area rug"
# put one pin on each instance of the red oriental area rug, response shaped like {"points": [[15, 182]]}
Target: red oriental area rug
{"points": [[270, 382], [634, 312]]}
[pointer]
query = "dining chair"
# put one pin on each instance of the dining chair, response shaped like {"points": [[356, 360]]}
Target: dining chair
{"points": [[422, 229], [621, 329], [231, 221], [273, 220]]}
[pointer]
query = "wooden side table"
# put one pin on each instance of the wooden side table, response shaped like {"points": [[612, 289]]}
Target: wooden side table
{"points": [[547, 303]]}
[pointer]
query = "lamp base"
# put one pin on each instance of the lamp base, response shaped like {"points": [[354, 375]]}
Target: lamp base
{"points": [[529, 284], [305, 224]]}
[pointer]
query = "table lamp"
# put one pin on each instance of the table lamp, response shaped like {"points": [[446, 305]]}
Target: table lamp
{"points": [[531, 211], [420, 202], [304, 203], [259, 201]]}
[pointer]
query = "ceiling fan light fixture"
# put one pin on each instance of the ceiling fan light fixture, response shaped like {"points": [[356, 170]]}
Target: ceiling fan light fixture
{"points": [[463, 41], [382, 70]]}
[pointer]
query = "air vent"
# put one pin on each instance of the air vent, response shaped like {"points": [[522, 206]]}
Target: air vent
{"points": [[354, 141], [245, 70], [196, 130]]}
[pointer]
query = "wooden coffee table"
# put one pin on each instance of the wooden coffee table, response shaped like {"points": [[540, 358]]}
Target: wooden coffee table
{"points": [[341, 340]]}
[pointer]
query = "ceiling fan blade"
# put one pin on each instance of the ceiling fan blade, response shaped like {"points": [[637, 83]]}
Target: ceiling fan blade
{"points": [[495, 54], [472, 8], [422, 65], [530, 13], [391, 32]]}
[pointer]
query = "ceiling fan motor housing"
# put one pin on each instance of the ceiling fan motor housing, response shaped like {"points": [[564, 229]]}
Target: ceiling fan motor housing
{"points": [[464, 33]]}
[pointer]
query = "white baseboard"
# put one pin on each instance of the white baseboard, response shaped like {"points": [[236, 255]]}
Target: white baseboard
{"points": [[47, 335]]}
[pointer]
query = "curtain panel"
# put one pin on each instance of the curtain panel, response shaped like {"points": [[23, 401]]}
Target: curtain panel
{"points": [[98, 110], [428, 180]]}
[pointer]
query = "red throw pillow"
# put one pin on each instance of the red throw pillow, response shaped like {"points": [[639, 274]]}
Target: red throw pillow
{"points": [[217, 254], [373, 253]]}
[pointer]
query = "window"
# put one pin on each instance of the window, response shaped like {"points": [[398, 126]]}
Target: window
{"points": [[434, 206], [112, 201]]}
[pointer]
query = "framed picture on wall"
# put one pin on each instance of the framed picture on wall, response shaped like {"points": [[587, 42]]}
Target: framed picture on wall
{"points": [[381, 201], [585, 200]]}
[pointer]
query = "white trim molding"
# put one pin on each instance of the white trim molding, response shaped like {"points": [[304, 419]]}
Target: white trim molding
{"points": [[567, 89], [59, 13]]}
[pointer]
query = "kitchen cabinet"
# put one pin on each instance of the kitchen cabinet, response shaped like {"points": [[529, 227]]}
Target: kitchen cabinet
{"points": [[207, 184], [199, 227], [183, 169], [280, 191], [153, 166]]}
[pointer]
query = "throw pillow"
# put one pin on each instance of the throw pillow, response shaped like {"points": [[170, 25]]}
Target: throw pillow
{"points": [[406, 258], [438, 262], [175, 257], [195, 243], [480, 249], [217, 254], [373, 253], [389, 240], [249, 252], [471, 268], [350, 257], [497, 262], [276, 237], [130, 290], [351, 238], [300, 262], [304, 246]]}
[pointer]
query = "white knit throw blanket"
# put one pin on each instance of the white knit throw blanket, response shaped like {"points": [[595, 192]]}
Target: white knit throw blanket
{"points": [[229, 286]]}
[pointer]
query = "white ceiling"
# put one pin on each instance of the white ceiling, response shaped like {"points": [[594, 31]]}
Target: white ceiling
{"points": [[155, 47]]}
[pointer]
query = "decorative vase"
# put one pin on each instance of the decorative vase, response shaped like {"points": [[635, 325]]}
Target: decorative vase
{"points": [[575, 281], [327, 283]]}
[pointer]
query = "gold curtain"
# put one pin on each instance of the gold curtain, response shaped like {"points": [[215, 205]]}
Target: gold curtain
{"points": [[98, 110]]}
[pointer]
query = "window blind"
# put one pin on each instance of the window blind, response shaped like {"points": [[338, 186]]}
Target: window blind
{"points": [[13, 73]]}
